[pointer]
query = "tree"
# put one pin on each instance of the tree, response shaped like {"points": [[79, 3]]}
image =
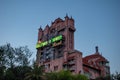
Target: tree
{"points": [[52, 76], [80, 77], [2, 63], [2, 72], [14, 62], [64, 75], [23, 55], [20, 71], [10, 55], [7, 55], [116, 76], [2, 56], [61, 75], [35, 74], [9, 75]]}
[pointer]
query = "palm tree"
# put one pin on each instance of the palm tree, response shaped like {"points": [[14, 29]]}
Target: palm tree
{"points": [[35, 74]]}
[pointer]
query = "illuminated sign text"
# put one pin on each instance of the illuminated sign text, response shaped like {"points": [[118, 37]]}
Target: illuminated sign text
{"points": [[45, 43]]}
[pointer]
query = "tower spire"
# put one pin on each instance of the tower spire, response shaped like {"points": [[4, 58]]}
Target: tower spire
{"points": [[96, 48], [66, 16], [40, 29]]}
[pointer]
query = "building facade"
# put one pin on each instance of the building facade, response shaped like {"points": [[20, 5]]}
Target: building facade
{"points": [[55, 48], [96, 65]]}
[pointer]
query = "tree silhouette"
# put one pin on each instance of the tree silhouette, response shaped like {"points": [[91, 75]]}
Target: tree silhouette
{"points": [[14, 62], [35, 74]]}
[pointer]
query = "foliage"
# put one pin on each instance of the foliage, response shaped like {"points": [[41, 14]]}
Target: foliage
{"points": [[23, 54], [9, 75], [2, 56], [14, 62], [64, 75], [14, 65], [116, 76], [10, 56], [2, 69], [52, 76], [35, 73], [80, 77]]}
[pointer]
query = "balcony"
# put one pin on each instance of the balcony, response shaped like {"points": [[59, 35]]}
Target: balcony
{"points": [[72, 68], [71, 62]]}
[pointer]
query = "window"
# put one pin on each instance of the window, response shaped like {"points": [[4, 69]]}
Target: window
{"points": [[65, 66], [55, 68]]}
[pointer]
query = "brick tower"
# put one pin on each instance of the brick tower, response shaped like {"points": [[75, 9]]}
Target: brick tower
{"points": [[55, 47]]}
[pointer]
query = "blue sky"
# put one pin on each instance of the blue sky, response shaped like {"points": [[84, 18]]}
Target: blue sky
{"points": [[97, 23]]}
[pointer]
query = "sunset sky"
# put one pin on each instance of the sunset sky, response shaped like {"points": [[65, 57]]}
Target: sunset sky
{"points": [[97, 23]]}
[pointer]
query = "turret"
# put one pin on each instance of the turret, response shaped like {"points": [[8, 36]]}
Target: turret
{"points": [[40, 33], [46, 30], [69, 33], [66, 20]]}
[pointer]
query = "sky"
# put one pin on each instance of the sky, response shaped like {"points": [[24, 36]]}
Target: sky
{"points": [[97, 23]]}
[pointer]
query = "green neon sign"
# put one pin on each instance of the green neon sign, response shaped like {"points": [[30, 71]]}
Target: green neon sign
{"points": [[56, 38], [45, 43]]}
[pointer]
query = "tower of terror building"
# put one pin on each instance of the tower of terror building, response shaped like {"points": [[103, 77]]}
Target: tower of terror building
{"points": [[55, 47], [55, 51]]}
